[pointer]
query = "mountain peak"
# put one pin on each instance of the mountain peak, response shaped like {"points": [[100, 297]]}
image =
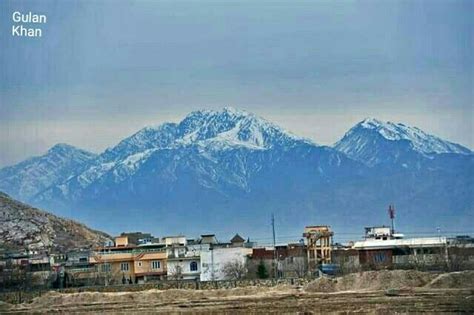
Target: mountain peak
{"points": [[233, 126], [31, 176], [220, 129], [65, 149], [370, 139], [62, 147], [371, 122], [226, 113], [420, 140]]}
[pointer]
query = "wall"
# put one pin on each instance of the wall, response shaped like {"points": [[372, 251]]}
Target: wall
{"points": [[121, 241], [212, 261], [379, 257]]}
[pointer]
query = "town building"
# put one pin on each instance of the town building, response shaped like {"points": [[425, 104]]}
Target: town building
{"points": [[134, 238], [217, 256], [382, 248], [184, 258], [282, 261], [130, 263]]}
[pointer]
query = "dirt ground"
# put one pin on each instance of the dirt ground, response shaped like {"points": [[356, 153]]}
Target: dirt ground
{"points": [[386, 279], [376, 293]]}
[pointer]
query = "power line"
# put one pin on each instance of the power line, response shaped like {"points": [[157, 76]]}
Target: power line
{"points": [[428, 233]]}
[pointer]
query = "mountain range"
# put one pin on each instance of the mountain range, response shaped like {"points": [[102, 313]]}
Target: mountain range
{"points": [[228, 170]]}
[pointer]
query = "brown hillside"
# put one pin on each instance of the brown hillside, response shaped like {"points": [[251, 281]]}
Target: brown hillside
{"points": [[24, 227]]}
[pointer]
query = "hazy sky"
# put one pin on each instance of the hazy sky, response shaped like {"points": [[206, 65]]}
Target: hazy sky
{"points": [[104, 69]]}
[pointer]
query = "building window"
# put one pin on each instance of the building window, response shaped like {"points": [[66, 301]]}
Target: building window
{"points": [[155, 264], [105, 267], [139, 264], [124, 267], [193, 266], [379, 257]]}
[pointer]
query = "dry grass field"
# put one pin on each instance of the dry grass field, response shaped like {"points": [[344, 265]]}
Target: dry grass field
{"points": [[374, 293]]}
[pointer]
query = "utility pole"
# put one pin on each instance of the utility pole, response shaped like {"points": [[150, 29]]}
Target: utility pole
{"points": [[274, 247]]}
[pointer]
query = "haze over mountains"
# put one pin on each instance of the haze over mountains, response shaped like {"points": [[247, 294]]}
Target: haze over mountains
{"points": [[226, 171]]}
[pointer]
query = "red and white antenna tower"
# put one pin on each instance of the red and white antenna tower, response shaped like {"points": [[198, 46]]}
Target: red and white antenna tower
{"points": [[391, 213]]}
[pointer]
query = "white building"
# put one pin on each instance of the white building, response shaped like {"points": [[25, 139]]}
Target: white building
{"points": [[183, 264], [203, 259], [174, 240], [382, 246], [419, 242], [215, 258]]}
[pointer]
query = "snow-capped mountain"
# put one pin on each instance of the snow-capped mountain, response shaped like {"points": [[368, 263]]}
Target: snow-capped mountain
{"points": [[220, 129], [232, 166], [207, 134], [231, 128], [375, 142], [26, 179]]}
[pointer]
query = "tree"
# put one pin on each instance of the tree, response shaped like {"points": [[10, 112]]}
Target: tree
{"points": [[176, 273], [298, 267], [262, 272], [235, 270], [14, 276]]}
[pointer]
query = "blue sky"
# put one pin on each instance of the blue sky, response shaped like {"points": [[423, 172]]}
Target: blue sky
{"points": [[104, 69]]}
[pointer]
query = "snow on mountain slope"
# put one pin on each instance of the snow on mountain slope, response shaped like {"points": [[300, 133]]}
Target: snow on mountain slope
{"points": [[31, 176], [211, 131], [215, 164], [373, 142], [233, 127], [221, 128], [150, 137]]}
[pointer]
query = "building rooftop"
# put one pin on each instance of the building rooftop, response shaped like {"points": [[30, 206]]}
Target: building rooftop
{"points": [[392, 243], [237, 239]]}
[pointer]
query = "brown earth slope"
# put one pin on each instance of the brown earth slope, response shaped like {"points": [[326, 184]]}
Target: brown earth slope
{"points": [[24, 227], [375, 280]]}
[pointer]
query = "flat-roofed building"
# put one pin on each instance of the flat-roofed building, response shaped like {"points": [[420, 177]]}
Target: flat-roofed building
{"points": [[130, 264]]}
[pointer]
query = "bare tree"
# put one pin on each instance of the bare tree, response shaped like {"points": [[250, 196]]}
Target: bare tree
{"points": [[235, 270], [175, 273], [458, 258], [14, 276], [298, 267]]}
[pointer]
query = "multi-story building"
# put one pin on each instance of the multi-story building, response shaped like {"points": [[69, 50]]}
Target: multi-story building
{"points": [[183, 258], [130, 263]]}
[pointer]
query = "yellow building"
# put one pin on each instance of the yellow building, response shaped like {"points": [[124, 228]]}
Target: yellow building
{"points": [[150, 265], [130, 264]]}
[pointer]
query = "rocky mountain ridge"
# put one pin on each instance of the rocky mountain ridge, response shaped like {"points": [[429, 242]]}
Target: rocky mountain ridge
{"points": [[373, 142], [29, 229], [215, 164]]}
